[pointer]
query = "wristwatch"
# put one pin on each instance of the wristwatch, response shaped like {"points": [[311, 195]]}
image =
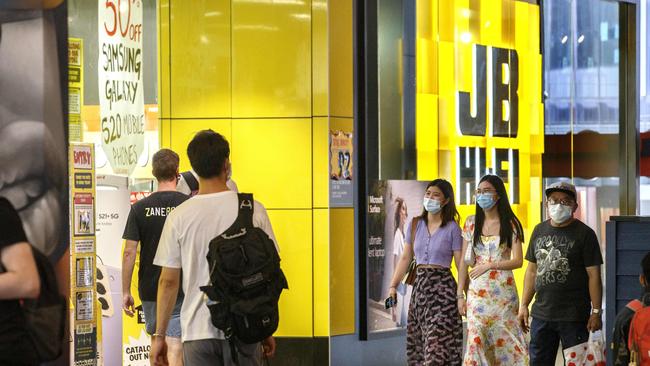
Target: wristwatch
{"points": [[595, 311]]}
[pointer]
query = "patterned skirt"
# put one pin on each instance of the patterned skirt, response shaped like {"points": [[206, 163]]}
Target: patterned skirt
{"points": [[435, 329]]}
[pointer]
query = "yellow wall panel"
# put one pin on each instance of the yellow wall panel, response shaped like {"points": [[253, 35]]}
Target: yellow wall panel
{"points": [[426, 136], [446, 11], [271, 59], [342, 257], [163, 60], [200, 59], [341, 66], [182, 132], [272, 157], [342, 124], [320, 59], [320, 162], [293, 231], [259, 73], [321, 273], [164, 133]]}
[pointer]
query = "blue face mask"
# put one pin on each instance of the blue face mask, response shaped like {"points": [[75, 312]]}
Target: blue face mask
{"points": [[485, 201], [432, 205]]}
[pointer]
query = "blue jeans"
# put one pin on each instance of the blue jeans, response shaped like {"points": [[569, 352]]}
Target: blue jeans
{"points": [[174, 325], [545, 337]]}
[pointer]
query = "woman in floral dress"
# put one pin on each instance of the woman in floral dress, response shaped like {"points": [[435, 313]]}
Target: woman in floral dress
{"points": [[494, 236]]}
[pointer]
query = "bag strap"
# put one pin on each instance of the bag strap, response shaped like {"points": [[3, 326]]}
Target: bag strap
{"points": [[635, 305], [246, 210], [191, 181], [414, 225]]}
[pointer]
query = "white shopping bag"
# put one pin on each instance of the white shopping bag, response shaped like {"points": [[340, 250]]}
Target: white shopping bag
{"points": [[590, 353]]}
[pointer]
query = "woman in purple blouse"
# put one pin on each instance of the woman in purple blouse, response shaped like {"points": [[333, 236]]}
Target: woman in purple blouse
{"points": [[434, 327]]}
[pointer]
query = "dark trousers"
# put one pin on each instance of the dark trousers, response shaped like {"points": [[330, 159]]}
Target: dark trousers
{"points": [[545, 337], [216, 352]]}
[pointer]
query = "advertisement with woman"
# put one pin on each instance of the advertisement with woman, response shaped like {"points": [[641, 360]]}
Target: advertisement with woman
{"points": [[393, 204], [33, 130]]}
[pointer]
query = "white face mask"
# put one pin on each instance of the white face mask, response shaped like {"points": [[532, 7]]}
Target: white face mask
{"points": [[431, 205], [560, 213]]}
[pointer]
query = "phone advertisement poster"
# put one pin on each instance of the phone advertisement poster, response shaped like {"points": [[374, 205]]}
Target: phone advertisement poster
{"points": [[392, 206]]}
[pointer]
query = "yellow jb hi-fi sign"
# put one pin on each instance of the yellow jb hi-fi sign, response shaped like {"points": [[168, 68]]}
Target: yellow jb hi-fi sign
{"points": [[479, 99]]}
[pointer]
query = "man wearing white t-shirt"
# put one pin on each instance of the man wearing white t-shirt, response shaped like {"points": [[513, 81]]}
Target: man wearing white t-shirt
{"points": [[184, 245]]}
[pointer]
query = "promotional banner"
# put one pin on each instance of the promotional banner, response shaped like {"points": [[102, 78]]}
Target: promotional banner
{"points": [[392, 206], [33, 128], [121, 96], [75, 88], [341, 168], [82, 256], [136, 341], [112, 211]]}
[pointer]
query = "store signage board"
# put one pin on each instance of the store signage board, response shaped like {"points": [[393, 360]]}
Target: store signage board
{"points": [[492, 110], [120, 75]]}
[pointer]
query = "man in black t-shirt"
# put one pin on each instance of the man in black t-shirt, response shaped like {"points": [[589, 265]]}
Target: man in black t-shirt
{"points": [[564, 274], [18, 280], [144, 225]]}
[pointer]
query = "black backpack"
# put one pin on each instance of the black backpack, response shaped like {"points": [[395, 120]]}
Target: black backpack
{"points": [[245, 279]]}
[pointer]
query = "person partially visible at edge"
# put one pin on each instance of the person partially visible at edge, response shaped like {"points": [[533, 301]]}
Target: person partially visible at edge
{"points": [[18, 280], [184, 246], [399, 311], [494, 235], [563, 274], [619, 345], [144, 226], [433, 337]]}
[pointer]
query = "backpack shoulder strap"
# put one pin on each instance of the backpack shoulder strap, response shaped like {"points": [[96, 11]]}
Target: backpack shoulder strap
{"points": [[191, 181], [635, 305], [246, 209]]}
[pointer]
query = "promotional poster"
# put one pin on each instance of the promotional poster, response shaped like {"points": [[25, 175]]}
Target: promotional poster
{"points": [[392, 206], [85, 319], [341, 168], [136, 343], [75, 88], [33, 127], [120, 83], [110, 218]]}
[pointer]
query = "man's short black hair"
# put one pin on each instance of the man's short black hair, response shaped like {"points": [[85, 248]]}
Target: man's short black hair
{"points": [[208, 152], [645, 268], [165, 165]]}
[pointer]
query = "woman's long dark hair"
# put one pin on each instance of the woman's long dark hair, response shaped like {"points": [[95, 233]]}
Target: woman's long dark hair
{"points": [[398, 213], [509, 222], [449, 211]]}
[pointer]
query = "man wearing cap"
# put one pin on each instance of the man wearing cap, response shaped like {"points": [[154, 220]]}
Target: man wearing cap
{"points": [[564, 273]]}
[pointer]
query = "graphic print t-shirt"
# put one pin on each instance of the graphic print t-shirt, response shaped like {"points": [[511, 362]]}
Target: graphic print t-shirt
{"points": [[145, 224], [562, 284]]}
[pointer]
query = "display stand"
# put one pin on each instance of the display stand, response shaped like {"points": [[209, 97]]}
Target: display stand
{"points": [[83, 317]]}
